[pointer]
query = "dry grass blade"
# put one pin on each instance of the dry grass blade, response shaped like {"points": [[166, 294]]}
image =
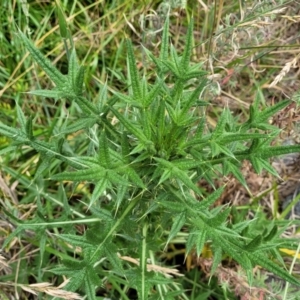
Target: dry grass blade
{"points": [[285, 70], [150, 267], [48, 289], [4, 265]]}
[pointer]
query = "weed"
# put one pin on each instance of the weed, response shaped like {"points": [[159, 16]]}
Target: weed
{"points": [[138, 158]]}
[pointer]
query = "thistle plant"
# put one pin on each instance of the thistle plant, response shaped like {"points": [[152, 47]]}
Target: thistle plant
{"points": [[144, 153]]}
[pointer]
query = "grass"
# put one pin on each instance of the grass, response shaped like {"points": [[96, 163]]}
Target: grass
{"points": [[244, 49]]}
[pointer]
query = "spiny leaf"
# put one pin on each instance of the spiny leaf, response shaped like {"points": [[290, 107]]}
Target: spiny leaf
{"points": [[86, 106], [110, 251], [75, 240], [185, 60], [193, 98], [135, 178], [73, 68], [254, 244], [99, 189], [28, 128], [233, 136], [104, 156], [79, 79], [134, 77], [173, 67], [58, 78], [77, 279], [121, 192], [164, 47], [271, 111], [63, 27], [279, 150], [151, 96], [217, 258], [82, 123], [196, 237], [271, 234], [128, 99], [21, 118], [161, 122], [260, 259], [94, 173], [53, 94], [178, 222], [231, 167], [129, 126], [89, 287], [211, 199], [219, 130], [219, 218], [146, 122], [125, 147], [117, 179]]}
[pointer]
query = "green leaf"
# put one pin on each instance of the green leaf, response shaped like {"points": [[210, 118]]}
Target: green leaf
{"points": [[28, 128], [217, 258], [151, 96], [271, 234], [200, 128], [121, 192], [21, 118], [160, 121], [179, 174], [87, 106], [185, 60], [82, 123], [73, 67], [91, 174], [219, 219], [115, 178], [98, 191], [196, 237], [233, 137], [75, 240], [78, 86], [231, 167], [129, 126], [171, 205], [260, 259], [89, 287], [254, 244], [271, 111], [134, 77], [54, 94], [178, 222], [210, 200], [146, 122], [165, 175], [128, 99], [75, 74], [200, 241], [77, 279], [102, 213], [135, 178], [192, 99], [164, 47], [63, 27], [125, 147], [58, 78], [110, 251], [104, 156], [279, 150], [220, 128], [172, 67]]}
